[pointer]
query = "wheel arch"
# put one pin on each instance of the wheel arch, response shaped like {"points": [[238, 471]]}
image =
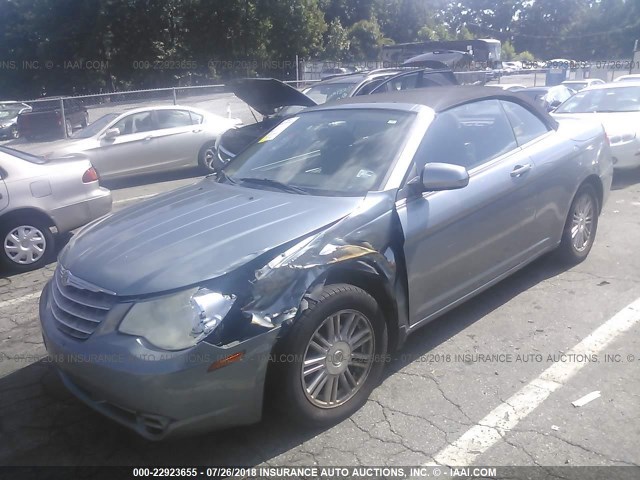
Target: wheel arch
{"points": [[595, 181], [380, 288], [27, 212]]}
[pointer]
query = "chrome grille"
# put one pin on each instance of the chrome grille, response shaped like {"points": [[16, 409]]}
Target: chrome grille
{"points": [[78, 311]]}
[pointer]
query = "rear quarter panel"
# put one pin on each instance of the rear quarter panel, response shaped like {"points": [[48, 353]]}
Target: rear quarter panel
{"points": [[52, 188], [565, 159]]}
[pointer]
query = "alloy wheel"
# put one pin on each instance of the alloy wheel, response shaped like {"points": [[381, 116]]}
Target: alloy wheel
{"points": [[582, 223], [338, 359], [209, 158]]}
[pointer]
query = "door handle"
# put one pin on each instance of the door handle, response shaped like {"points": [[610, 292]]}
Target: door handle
{"points": [[197, 131], [147, 139], [520, 170]]}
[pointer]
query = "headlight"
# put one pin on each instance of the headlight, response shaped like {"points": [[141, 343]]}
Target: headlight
{"points": [[178, 321]]}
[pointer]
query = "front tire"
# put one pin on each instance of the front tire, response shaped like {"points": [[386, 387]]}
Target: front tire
{"points": [[332, 357], [580, 227], [68, 127], [26, 244]]}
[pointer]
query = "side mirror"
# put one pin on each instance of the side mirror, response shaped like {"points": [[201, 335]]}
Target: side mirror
{"points": [[444, 176], [112, 133]]}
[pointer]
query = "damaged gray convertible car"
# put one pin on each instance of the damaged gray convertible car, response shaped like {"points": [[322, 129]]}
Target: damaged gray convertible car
{"points": [[292, 273]]}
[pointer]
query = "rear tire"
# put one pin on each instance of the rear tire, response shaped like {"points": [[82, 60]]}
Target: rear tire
{"points": [[580, 227], [323, 386], [68, 127], [27, 244], [206, 158], [85, 120]]}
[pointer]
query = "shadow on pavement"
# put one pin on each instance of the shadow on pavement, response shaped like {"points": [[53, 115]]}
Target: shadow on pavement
{"points": [[151, 178], [625, 178], [42, 424]]}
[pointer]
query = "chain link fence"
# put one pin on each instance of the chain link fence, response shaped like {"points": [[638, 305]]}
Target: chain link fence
{"points": [[218, 98]]}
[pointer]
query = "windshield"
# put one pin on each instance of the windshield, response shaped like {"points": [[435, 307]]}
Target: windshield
{"points": [[9, 112], [624, 99], [575, 85], [321, 94], [95, 127], [332, 152]]}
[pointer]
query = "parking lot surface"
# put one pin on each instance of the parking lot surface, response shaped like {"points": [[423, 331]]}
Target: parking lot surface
{"points": [[481, 360]]}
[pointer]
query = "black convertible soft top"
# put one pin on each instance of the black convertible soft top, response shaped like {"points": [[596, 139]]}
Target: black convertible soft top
{"points": [[444, 98]]}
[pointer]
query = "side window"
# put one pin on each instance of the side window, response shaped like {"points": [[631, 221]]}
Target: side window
{"points": [[173, 118], [369, 87], [136, 123], [468, 135], [526, 125], [403, 82]]}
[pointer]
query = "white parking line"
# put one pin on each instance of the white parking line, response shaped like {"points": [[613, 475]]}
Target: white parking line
{"points": [[133, 199], [15, 301], [506, 416]]}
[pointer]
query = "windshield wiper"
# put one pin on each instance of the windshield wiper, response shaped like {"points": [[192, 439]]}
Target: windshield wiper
{"points": [[274, 183]]}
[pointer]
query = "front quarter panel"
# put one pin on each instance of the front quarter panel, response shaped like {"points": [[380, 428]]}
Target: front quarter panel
{"points": [[366, 243]]}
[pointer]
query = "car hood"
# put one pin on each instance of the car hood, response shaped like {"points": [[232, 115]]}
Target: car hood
{"points": [[193, 234], [266, 95]]}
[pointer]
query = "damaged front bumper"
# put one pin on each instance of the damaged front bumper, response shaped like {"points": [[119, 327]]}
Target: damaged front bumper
{"points": [[158, 393]]}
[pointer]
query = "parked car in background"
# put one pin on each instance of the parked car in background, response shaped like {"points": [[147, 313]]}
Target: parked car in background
{"points": [[330, 72], [578, 85], [9, 112], [547, 97], [507, 86], [634, 77], [145, 140], [45, 119], [512, 67], [617, 107], [316, 251], [37, 194], [276, 100]]}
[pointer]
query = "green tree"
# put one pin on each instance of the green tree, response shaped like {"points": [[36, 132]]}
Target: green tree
{"points": [[337, 41], [366, 39], [525, 57], [508, 52]]}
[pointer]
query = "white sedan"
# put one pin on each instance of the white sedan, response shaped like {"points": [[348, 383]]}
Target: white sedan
{"points": [[634, 77], [617, 107], [578, 85], [146, 140]]}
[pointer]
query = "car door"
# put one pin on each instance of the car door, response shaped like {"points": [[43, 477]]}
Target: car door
{"points": [[550, 152], [458, 241], [132, 151], [177, 138]]}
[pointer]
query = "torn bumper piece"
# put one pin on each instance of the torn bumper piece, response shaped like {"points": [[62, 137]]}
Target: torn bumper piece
{"points": [[158, 393]]}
